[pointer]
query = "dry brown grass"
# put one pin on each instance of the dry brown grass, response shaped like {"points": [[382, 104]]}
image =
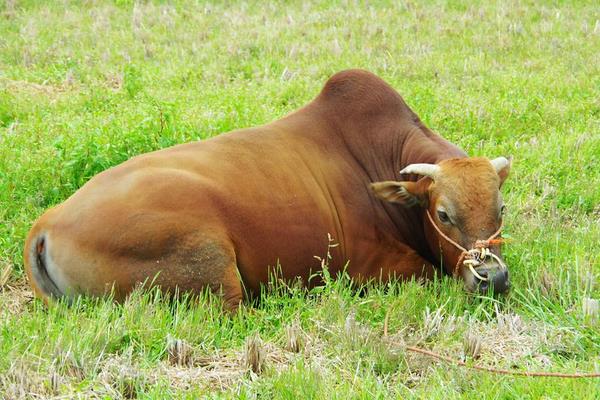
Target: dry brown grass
{"points": [[14, 296], [179, 351], [22, 382], [68, 85], [548, 281], [122, 376], [294, 337], [254, 354], [506, 341], [591, 308], [6, 272]]}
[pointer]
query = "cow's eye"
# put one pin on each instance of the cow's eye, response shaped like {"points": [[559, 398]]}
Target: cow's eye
{"points": [[502, 209], [443, 216]]}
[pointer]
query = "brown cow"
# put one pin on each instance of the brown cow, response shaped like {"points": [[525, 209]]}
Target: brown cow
{"points": [[218, 213]]}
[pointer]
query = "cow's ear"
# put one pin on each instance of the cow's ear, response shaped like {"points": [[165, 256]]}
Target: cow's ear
{"points": [[406, 193]]}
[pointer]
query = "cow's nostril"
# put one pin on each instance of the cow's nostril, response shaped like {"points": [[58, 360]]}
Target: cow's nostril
{"points": [[482, 284]]}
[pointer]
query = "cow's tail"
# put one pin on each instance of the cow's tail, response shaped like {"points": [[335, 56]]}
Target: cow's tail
{"points": [[36, 258]]}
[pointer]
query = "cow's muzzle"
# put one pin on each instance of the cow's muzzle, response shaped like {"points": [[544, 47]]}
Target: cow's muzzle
{"points": [[490, 277], [481, 267]]}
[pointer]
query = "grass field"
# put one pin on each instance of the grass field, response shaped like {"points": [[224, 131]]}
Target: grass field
{"points": [[86, 86]]}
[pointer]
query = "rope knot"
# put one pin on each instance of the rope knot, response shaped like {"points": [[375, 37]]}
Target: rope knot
{"points": [[481, 244], [475, 258]]}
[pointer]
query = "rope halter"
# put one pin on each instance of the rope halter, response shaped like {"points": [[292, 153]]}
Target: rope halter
{"points": [[477, 255]]}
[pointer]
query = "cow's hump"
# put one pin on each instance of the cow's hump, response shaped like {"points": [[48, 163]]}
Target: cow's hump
{"points": [[357, 92]]}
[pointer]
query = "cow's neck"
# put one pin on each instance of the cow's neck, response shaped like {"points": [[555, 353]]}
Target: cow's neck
{"points": [[381, 152], [424, 146], [381, 135]]}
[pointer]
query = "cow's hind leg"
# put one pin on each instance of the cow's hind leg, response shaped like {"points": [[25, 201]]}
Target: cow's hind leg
{"points": [[209, 263], [188, 263], [231, 288]]}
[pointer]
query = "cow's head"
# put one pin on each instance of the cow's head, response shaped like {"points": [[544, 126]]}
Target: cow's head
{"points": [[461, 203]]}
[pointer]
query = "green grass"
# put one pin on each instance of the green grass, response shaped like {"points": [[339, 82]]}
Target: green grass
{"points": [[85, 87]]}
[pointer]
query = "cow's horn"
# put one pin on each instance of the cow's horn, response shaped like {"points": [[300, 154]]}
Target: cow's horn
{"points": [[430, 170], [499, 163]]}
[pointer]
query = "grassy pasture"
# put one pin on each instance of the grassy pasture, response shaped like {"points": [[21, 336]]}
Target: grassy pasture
{"points": [[86, 85]]}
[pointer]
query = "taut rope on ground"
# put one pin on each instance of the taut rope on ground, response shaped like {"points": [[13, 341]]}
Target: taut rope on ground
{"points": [[461, 363], [501, 371]]}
